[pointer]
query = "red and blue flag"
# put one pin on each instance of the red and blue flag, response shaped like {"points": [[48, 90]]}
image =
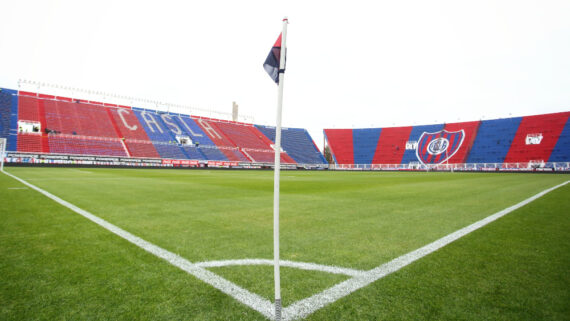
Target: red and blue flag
{"points": [[271, 64]]}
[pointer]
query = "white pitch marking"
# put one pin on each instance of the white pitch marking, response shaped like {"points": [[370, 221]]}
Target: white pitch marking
{"points": [[291, 264], [75, 179], [307, 306]]}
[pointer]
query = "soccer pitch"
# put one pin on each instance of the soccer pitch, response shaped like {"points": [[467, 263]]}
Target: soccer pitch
{"points": [[56, 264]]}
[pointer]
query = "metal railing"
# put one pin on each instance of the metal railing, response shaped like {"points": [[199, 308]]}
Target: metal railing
{"points": [[521, 166]]}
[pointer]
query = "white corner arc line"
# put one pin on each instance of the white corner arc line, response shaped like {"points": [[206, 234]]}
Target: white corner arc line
{"points": [[286, 263], [242, 295], [309, 305]]}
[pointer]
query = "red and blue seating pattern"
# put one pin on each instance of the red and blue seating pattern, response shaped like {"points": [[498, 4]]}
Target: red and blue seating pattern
{"points": [[389, 150], [9, 116], [494, 140], [341, 145], [410, 153], [297, 143], [538, 138], [78, 127]]}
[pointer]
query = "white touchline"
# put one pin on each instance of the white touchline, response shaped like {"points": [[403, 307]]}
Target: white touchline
{"points": [[302, 308]]}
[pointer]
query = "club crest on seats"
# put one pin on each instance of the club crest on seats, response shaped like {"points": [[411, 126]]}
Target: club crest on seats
{"points": [[438, 147]]}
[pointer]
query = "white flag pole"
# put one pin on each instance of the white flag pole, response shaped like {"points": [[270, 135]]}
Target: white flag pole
{"points": [[276, 178]]}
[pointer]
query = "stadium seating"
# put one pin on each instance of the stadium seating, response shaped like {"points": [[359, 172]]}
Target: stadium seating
{"points": [[8, 120], [391, 145], [31, 108], [493, 140], [470, 132], [216, 135], [244, 136], [160, 134], [84, 145], [78, 127], [127, 127], [341, 145], [240, 142], [365, 142], [534, 139], [76, 118], [546, 128], [561, 152], [415, 133], [212, 153], [207, 148], [28, 107], [32, 143], [297, 143], [219, 138], [261, 156]]}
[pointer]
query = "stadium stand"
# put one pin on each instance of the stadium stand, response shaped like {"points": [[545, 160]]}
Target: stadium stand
{"points": [[67, 126], [253, 144], [493, 140], [194, 152], [341, 145], [46, 124], [561, 152], [32, 143], [297, 143], [415, 133], [536, 137], [127, 126], [263, 156], [8, 116], [219, 139], [206, 147], [85, 145], [213, 153], [470, 132], [244, 136], [240, 142], [365, 142], [30, 109], [391, 145], [160, 135], [519, 140]]}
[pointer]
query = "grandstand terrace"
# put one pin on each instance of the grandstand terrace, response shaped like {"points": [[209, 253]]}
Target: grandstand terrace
{"points": [[43, 125], [537, 141], [54, 125]]}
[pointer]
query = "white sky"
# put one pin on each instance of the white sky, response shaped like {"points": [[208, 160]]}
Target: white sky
{"points": [[350, 63]]}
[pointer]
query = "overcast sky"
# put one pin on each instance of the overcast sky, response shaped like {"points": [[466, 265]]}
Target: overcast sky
{"points": [[350, 64]]}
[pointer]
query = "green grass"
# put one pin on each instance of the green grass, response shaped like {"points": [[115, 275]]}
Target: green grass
{"points": [[56, 264]]}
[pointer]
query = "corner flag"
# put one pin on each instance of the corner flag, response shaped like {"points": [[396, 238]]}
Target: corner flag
{"points": [[271, 64], [275, 67]]}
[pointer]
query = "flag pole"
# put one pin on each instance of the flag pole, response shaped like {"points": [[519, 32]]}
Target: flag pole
{"points": [[276, 178]]}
